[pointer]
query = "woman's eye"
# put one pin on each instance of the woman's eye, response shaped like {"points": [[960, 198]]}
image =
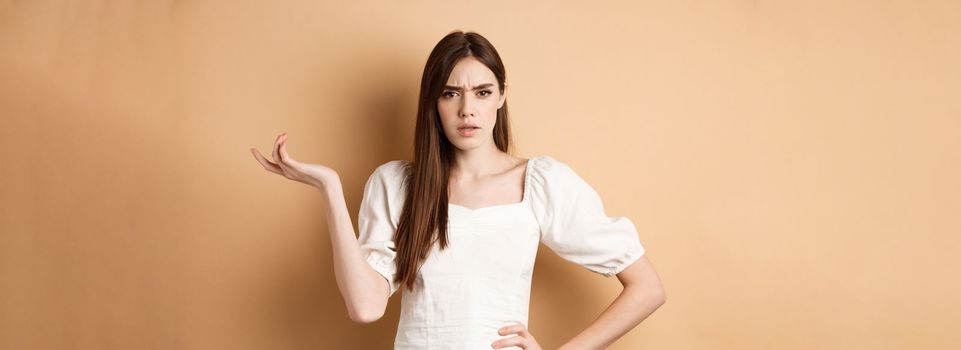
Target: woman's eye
{"points": [[487, 91], [448, 94]]}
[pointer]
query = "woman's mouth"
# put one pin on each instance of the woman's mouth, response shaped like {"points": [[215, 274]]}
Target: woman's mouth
{"points": [[467, 131]]}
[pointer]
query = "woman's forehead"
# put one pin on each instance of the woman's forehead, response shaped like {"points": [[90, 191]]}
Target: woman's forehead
{"points": [[469, 72]]}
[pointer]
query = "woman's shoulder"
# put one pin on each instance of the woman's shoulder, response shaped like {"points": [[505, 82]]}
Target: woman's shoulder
{"points": [[395, 165], [550, 176], [392, 171], [546, 166], [388, 182]]}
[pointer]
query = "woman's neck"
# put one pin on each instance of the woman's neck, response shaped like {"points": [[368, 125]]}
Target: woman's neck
{"points": [[480, 162]]}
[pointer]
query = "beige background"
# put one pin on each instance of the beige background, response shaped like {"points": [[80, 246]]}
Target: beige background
{"points": [[794, 170]]}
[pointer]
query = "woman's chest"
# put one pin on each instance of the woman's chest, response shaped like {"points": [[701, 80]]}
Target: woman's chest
{"points": [[499, 240]]}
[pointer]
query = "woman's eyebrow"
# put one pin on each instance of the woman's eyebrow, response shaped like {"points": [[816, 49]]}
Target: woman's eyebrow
{"points": [[478, 87]]}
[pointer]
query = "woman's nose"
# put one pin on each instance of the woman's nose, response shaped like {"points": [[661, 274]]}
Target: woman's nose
{"points": [[466, 107]]}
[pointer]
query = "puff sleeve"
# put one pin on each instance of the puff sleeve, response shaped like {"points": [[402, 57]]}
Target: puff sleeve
{"points": [[573, 222], [377, 219]]}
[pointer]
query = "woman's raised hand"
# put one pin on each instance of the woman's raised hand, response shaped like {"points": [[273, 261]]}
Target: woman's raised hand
{"points": [[282, 164]]}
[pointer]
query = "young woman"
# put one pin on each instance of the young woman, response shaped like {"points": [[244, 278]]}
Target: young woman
{"points": [[458, 227]]}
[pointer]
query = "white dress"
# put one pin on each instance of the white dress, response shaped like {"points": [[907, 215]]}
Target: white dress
{"points": [[482, 280]]}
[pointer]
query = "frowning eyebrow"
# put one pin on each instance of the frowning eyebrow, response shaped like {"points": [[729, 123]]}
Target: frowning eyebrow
{"points": [[478, 87]]}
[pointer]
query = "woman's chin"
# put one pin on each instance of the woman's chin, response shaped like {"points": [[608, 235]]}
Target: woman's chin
{"points": [[467, 144]]}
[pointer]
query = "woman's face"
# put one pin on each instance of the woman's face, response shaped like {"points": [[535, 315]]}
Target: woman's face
{"points": [[468, 104]]}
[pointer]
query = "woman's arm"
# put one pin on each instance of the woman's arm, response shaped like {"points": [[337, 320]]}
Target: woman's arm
{"points": [[642, 294], [364, 290]]}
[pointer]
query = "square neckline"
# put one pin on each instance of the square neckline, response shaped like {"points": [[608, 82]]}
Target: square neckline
{"points": [[524, 196]]}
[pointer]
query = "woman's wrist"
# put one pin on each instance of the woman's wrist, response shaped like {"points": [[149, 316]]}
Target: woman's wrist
{"points": [[326, 180]]}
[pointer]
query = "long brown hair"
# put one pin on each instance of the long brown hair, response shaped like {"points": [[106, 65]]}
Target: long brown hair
{"points": [[423, 220]]}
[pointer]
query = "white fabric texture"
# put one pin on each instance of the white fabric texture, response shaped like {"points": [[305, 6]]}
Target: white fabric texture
{"points": [[481, 281]]}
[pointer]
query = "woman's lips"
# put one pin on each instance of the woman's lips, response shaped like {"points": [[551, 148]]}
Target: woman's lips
{"points": [[467, 131]]}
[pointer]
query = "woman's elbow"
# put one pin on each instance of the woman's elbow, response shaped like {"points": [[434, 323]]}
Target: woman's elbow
{"points": [[366, 315], [660, 296], [369, 305]]}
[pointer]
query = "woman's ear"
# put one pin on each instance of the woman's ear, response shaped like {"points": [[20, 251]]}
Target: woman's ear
{"points": [[503, 96]]}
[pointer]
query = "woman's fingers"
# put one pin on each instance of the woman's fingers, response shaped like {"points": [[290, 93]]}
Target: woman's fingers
{"points": [[512, 341], [524, 339], [518, 329], [283, 151], [278, 165], [283, 162], [270, 166], [284, 165], [276, 152]]}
